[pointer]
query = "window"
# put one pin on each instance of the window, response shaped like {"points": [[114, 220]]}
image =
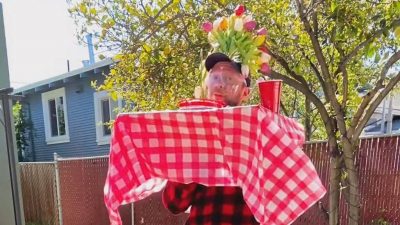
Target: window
{"points": [[55, 116], [104, 108]]}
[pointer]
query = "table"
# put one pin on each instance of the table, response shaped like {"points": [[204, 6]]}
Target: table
{"points": [[246, 146]]}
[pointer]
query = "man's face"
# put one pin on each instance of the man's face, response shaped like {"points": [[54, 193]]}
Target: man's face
{"points": [[225, 83]]}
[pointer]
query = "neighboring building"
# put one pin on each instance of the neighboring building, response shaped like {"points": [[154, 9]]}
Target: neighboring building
{"points": [[67, 114], [386, 118]]}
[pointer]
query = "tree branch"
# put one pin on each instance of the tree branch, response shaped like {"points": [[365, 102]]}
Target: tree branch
{"points": [[306, 91], [324, 69], [342, 68], [367, 99], [345, 87], [162, 9], [144, 10], [314, 15], [375, 103], [284, 110], [285, 65], [317, 73], [354, 52], [314, 40]]}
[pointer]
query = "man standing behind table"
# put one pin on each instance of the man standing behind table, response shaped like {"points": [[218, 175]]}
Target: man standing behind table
{"points": [[215, 205]]}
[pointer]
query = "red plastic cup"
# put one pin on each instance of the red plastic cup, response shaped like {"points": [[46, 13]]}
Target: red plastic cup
{"points": [[195, 104], [270, 94]]}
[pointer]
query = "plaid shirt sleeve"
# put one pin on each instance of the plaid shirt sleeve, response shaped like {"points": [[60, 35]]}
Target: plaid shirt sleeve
{"points": [[177, 197]]}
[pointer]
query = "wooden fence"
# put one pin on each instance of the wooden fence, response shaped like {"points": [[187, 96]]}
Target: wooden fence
{"points": [[38, 186], [82, 180]]}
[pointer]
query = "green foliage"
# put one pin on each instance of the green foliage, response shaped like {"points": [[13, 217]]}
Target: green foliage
{"points": [[161, 46], [21, 125]]}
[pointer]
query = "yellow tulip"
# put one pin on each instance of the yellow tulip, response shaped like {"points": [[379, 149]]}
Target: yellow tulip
{"points": [[260, 39], [224, 24], [232, 19], [259, 61]]}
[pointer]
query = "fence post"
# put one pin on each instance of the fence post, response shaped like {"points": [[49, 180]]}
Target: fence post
{"points": [[58, 199], [133, 213]]}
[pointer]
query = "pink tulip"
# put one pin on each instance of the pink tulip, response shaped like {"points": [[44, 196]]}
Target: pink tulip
{"points": [[265, 69], [240, 9], [251, 25], [262, 31], [207, 27]]}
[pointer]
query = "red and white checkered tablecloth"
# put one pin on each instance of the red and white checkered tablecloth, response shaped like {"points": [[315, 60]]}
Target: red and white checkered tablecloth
{"points": [[248, 146]]}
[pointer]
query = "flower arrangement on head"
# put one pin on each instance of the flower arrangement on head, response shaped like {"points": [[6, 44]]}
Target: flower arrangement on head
{"points": [[237, 37]]}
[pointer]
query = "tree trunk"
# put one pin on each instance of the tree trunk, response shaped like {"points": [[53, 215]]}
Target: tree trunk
{"points": [[353, 180], [334, 184], [307, 121]]}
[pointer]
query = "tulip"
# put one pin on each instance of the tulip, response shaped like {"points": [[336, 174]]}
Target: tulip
{"points": [[247, 18], [197, 92], [240, 9], [259, 62], [238, 25], [216, 24], [224, 24], [265, 57], [262, 31], [260, 39], [265, 69], [232, 19], [245, 70], [207, 27], [249, 26], [213, 41], [263, 48]]}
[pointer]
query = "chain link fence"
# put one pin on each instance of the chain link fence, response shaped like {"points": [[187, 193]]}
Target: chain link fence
{"points": [[80, 182]]}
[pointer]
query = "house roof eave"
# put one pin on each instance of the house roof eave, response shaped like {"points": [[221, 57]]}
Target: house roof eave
{"points": [[64, 77]]}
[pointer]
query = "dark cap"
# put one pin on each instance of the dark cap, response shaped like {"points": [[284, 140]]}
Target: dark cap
{"points": [[217, 57]]}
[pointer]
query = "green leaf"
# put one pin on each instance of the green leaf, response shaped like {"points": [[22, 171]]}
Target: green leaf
{"points": [[396, 5], [377, 57], [83, 8], [333, 5], [147, 47], [114, 96], [370, 51], [93, 11], [397, 32]]}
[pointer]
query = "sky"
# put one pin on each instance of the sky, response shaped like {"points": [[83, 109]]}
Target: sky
{"points": [[40, 37]]}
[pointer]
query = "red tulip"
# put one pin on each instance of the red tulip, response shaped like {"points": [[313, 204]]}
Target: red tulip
{"points": [[207, 27], [262, 31], [249, 26], [265, 69], [240, 9], [263, 48]]}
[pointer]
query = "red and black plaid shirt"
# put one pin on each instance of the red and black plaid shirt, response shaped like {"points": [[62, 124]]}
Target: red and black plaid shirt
{"points": [[210, 205]]}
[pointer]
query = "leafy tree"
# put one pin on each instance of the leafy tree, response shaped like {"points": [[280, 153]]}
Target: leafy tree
{"points": [[21, 125], [326, 50]]}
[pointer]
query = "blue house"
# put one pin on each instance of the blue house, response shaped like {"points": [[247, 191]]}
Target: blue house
{"points": [[68, 115]]}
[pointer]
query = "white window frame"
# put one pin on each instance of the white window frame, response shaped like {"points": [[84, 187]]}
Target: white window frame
{"points": [[102, 139], [46, 96]]}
